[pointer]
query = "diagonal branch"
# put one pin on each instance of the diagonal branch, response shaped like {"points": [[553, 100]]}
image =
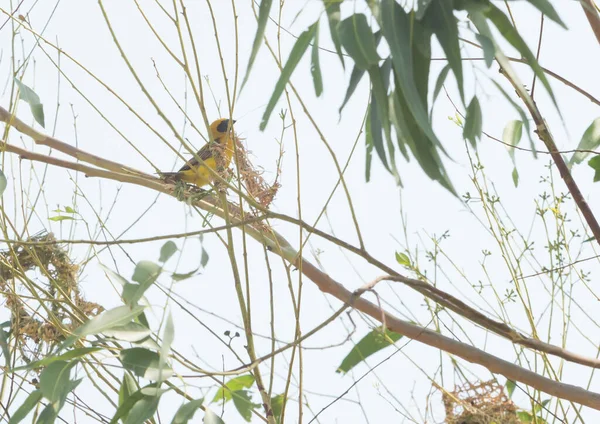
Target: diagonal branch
{"points": [[44, 140], [280, 246]]}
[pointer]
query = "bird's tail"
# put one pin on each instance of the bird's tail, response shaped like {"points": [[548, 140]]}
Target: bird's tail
{"points": [[170, 176]]}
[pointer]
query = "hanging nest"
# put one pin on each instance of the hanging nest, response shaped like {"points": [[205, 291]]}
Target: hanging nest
{"points": [[481, 403], [252, 178], [61, 298]]}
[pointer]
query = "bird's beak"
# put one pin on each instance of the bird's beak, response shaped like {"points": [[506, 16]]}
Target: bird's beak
{"points": [[234, 121]]}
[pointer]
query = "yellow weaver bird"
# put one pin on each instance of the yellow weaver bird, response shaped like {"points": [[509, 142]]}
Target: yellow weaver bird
{"points": [[215, 154]]}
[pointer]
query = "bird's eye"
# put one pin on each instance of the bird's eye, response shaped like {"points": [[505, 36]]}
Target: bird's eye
{"points": [[222, 127]]}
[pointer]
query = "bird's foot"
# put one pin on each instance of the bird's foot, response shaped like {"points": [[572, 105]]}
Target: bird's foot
{"points": [[179, 190], [196, 194]]}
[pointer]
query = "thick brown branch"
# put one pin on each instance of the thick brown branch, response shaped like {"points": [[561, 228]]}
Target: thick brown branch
{"points": [[447, 300], [89, 171], [279, 245], [432, 338]]}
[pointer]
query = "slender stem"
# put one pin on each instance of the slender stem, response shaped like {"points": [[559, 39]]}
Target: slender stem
{"points": [[591, 13]]}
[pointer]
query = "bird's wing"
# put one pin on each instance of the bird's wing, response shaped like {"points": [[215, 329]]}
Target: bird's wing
{"points": [[204, 153]]}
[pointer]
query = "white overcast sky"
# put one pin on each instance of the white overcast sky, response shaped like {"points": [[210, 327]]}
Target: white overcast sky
{"points": [[80, 30]]}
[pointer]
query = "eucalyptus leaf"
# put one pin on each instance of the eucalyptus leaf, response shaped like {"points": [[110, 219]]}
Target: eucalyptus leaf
{"points": [[145, 363], [166, 251], [3, 182], [263, 16], [186, 411], [315, 66], [373, 342], [473, 122], [26, 407], [359, 41], [590, 140], [296, 54], [33, 100], [332, 8]]}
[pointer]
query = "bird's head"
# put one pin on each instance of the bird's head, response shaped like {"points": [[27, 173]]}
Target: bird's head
{"points": [[220, 127]]}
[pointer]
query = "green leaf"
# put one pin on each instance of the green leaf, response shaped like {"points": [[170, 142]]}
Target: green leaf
{"points": [[109, 319], [120, 279], [153, 390], [126, 403], [511, 35], [145, 363], [295, 55], [61, 218], [167, 340], [513, 131], [589, 141], [423, 5], [547, 9], [166, 251], [358, 41], [315, 67], [510, 387], [204, 258], [263, 16], [30, 97], [105, 321], [4, 336], [403, 133], [146, 273], [473, 122], [71, 354], [237, 383], [515, 176], [356, 75], [243, 403], [69, 209], [369, 145], [142, 410], [184, 276], [376, 131], [277, 406], [521, 114], [511, 135], [48, 414], [332, 8], [402, 259], [421, 147], [539, 406], [380, 77], [367, 346], [489, 50], [439, 83], [595, 164], [128, 387], [131, 332], [28, 404], [440, 18], [211, 418], [186, 411], [3, 182], [524, 416], [54, 380], [400, 31]]}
